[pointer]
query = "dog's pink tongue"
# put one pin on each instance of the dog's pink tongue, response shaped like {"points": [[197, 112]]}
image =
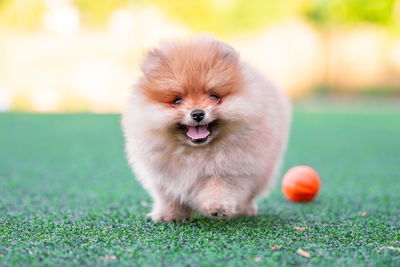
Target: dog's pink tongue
{"points": [[198, 132]]}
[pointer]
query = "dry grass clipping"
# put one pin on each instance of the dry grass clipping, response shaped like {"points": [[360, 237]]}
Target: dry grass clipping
{"points": [[303, 253]]}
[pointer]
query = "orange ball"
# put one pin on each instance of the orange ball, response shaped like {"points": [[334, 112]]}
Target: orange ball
{"points": [[300, 184]]}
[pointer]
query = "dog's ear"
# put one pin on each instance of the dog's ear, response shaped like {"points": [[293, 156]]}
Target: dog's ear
{"points": [[228, 52], [152, 60]]}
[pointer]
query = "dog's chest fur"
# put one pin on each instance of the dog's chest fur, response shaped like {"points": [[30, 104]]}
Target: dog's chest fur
{"points": [[180, 172]]}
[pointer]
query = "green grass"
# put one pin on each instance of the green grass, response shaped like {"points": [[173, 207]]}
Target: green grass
{"points": [[67, 197]]}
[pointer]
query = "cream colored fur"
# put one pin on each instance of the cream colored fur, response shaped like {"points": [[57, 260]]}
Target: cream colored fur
{"points": [[222, 177]]}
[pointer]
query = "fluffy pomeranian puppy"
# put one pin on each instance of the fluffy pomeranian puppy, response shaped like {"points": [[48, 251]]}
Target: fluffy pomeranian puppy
{"points": [[204, 131]]}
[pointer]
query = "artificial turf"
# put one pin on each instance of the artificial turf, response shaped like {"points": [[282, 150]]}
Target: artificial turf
{"points": [[67, 197]]}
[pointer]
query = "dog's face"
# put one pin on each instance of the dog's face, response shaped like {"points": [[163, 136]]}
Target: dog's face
{"points": [[191, 84]]}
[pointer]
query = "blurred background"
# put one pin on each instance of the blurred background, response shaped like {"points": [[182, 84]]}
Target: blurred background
{"points": [[83, 55]]}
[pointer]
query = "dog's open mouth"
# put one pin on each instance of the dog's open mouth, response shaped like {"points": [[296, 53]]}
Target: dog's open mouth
{"points": [[198, 134]]}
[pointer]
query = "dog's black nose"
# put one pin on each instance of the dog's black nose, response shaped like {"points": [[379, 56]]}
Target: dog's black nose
{"points": [[198, 114]]}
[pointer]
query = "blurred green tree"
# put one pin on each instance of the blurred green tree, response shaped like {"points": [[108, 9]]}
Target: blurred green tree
{"points": [[219, 16], [344, 12], [97, 12], [227, 16], [22, 14]]}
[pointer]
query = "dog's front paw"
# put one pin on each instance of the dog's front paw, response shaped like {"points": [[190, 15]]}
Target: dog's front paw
{"points": [[249, 210], [219, 209], [169, 217]]}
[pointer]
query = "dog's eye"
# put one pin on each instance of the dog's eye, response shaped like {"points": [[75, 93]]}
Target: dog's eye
{"points": [[177, 101], [215, 97]]}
